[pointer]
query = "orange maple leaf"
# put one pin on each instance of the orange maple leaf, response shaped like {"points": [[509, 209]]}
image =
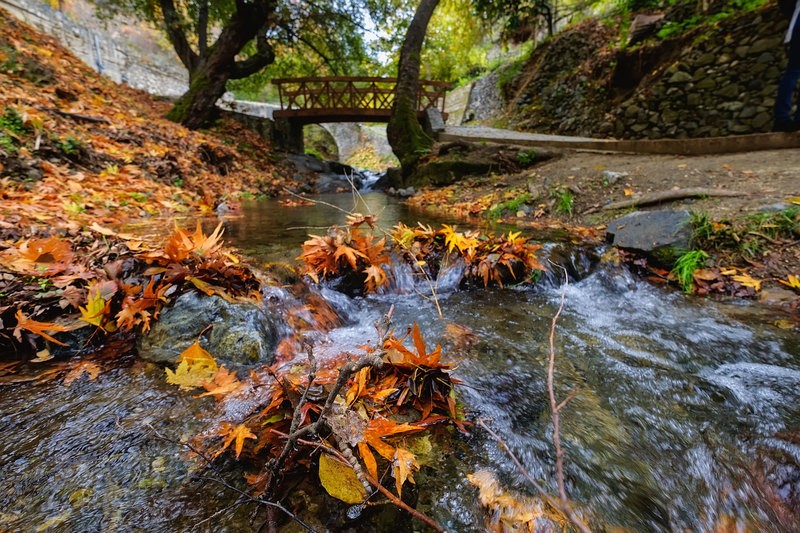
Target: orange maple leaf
{"points": [[224, 383], [404, 464], [351, 254], [39, 328], [90, 368], [379, 428], [399, 355], [233, 433]]}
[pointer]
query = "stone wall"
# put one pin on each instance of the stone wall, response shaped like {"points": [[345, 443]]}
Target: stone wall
{"points": [[102, 50], [716, 80], [724, 84]]}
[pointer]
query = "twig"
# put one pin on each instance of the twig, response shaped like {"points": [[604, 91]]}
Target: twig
{"points": [[668, 196], [766, 238], [243, 496], [556, 407], [383, 490], [85, 118], [351, 367]]}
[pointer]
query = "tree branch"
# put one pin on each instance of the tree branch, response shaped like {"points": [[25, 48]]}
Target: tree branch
{"points": [[264, 56], [177, 35]]}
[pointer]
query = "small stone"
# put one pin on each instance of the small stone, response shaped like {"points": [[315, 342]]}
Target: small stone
{"points": [[680, 77]]}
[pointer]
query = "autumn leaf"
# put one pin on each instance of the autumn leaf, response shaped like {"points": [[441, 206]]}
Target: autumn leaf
{"points": [[402, 356], [380, 428], [224, 383], [376, 277], [792, 281], [508, 511], [747, 281], [39, 328], [89, 368], [93, 312], [233, 434], [350, 254], [195, 367], [340, 480], [404, 464]]}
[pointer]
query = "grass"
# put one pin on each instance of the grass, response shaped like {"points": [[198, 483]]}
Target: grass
{"points": [[512, 206], [746, 237], [564, 200], [686, 265]]}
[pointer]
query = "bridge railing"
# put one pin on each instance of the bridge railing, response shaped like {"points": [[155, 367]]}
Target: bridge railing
{"points": [[368, 95]]}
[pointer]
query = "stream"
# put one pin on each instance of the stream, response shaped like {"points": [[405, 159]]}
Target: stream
{"points": [[685, 415]]}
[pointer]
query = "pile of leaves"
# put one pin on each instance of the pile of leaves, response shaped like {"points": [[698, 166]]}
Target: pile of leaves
{"points": [[359, 258], [113, 282], [76, 148], [338, 419]]}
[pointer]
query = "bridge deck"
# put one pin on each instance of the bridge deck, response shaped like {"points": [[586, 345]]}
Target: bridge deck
{"points": [[349, 99]]}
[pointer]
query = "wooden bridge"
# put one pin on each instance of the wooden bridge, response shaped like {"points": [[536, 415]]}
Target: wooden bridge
{"points": [[349, 99]]}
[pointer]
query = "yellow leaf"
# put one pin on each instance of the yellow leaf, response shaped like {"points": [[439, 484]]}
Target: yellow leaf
{"points": [[93, 312], [793, 281], [748, 281], [340, 480], [196, 367], [628, 192], [403, 467], [795, 200], [200, 284]]}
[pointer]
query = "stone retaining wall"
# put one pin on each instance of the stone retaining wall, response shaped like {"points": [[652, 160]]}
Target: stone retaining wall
{"points": [[724, 84], [101, 50]]}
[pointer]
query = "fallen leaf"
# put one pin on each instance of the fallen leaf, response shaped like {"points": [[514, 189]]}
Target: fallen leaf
{"points": [[224, 383], [195, 367], [90, 368], [404, 464], [39, 328], [232, 434], [340, 480]]}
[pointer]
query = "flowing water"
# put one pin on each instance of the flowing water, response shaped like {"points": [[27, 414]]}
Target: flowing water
{"points": [[685, 413]]}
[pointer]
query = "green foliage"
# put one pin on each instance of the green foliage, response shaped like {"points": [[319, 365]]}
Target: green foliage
{"points": [[526, 157], [511, 206], [685, 267], [12, 128], [70, 145], [747, 237], [564, 200]]}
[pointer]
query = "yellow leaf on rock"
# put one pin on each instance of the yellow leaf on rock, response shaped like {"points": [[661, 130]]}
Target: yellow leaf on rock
{"points": [[748, 281], [196, 367], [340, 480]]}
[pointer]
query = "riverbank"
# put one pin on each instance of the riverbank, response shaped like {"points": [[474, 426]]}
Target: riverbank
{"points": [[580, 190]]}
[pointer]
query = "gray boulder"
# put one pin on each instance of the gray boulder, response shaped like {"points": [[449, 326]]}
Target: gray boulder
{"points": [[661, 236], [241, 333]]}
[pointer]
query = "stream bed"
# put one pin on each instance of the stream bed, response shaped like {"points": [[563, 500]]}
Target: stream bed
{"points": [[685, 416]]}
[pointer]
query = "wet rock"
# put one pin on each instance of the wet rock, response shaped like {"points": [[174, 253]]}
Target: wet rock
{"points": [[241, 333], [662, 236]]}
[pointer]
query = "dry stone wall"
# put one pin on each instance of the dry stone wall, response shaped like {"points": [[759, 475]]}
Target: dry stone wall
{"points": [[724, 84]]}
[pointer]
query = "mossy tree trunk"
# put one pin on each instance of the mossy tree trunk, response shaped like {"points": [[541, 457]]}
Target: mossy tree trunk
{"points": [[210, 67], [406, 136]]}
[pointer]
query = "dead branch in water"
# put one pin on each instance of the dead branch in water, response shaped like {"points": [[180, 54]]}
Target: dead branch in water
{"points": [[563, 503]]}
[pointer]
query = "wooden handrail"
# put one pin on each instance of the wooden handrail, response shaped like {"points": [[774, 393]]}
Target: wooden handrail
{"points": [[321, 95]]}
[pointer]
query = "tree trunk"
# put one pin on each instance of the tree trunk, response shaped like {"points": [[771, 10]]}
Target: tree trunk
{"points": [[405, 134], [212, 66]]}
